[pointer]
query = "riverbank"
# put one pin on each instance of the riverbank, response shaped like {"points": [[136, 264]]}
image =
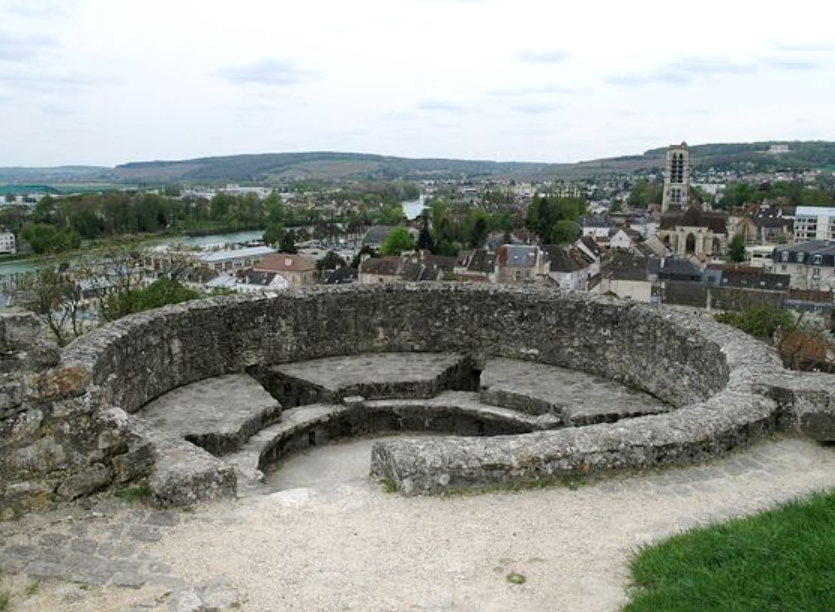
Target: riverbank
{"points": [[22, 264]]}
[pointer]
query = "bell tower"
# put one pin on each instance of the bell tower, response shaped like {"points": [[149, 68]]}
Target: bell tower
{"points": [[677, 178]]}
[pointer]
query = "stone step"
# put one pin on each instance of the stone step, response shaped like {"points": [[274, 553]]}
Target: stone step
{"points": [[299, 428], [218, 414], [453, 412], [577, 398], [459, 412], [371, 375]]}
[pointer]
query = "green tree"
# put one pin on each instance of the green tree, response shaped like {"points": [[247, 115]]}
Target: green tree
{"points": [[274, 234], [273, 209], [45, 211], [544, 213], [45, 238], [390, 214], [288, 243], [220, 205], [478, 232], [643, 193], [331, 261], [565, 232], [739, 194], [736, 249], [425, 241], [398, 240]]}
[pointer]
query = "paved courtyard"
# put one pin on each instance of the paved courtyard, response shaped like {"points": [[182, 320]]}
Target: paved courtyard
{"points": [[342, 543]]}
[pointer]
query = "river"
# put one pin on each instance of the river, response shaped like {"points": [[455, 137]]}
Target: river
{"points": [[9, 270], [413, 208]]}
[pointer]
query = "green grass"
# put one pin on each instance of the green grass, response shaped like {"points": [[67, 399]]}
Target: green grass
{"points": [[781, 560], [389, 485], [516, 578], [4, 601], [138, 493], [33, 587]]}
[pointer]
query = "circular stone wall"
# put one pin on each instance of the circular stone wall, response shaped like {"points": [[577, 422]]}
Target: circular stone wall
{"points": [[709, 372]]}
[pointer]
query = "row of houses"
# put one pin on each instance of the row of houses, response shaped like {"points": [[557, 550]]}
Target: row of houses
{"points": [[688, 282], [575, 267]]}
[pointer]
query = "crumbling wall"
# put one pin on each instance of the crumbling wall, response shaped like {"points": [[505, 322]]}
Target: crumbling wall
{"points": [[66, 429]]}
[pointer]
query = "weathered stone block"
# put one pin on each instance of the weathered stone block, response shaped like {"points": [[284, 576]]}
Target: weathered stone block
{"points": [[90, 480], [185, 474]]}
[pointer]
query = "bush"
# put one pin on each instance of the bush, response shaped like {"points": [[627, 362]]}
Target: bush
{"points": [[761, 321], [161, 292]]}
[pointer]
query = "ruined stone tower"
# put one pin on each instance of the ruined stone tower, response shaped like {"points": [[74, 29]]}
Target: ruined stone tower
{"points": [[677, 178]]}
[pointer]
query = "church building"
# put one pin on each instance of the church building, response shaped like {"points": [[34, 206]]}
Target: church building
{"points": [[685, 228]]}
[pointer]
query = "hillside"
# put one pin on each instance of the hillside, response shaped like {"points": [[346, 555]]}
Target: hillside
{"points": [[278, 168], [317, 166]]}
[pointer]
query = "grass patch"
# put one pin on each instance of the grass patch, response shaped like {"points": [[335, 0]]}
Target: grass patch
{"points": [[389, 486], [781, 560], [516, 578], [5, 598], [32, 588], [137, 493]]}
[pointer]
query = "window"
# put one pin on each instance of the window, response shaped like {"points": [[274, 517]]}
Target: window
{"points": [[817, 259], [800, 257], [784, 256], [816, 272]]}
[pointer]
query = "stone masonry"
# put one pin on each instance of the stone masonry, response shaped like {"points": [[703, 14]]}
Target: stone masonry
{"points": [[69, 428]]}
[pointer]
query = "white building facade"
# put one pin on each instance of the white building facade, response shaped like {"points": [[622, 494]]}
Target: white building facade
{"points": [[814, 223], [7, 243]]}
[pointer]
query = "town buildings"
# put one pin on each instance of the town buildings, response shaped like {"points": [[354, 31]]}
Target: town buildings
{"points": [[810, 264], [296, 270]]}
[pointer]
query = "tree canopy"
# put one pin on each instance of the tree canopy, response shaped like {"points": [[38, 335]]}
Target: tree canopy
{"points": [[398, 240]]}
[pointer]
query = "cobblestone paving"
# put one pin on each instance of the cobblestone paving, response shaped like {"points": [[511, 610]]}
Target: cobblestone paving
{"points": [[89, 547]]}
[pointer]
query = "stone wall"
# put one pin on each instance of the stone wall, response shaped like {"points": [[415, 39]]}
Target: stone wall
{"points": [[138, 358], [78, 428], [57, 441]]}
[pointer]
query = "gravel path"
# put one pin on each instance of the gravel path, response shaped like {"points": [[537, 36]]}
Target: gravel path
{"points": [[350, 546]]}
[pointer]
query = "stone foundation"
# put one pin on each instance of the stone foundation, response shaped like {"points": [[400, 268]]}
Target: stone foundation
{"points": [[66, 429]]}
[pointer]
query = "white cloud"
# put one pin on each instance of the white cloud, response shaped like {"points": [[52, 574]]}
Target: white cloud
{"points": [[441, 103], [497, 79], [552, 56], [18, 48], [265, 71]]}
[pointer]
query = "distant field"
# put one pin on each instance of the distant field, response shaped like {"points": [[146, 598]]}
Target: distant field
{"points": [[68, 188], [325, 169]]}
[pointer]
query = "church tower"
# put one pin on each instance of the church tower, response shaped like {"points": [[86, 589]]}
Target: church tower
{"points": [[677, 179]]}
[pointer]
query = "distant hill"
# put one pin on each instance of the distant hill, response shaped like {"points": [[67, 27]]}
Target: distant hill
{"points": [[755, 157], [316, 166], [277, 168], [41, 175]]}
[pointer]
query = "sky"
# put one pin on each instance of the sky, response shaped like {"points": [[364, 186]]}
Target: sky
{"points": [[105, 82]]}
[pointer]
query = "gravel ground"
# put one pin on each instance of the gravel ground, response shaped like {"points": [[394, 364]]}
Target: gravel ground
{"points": [[344, 544]]}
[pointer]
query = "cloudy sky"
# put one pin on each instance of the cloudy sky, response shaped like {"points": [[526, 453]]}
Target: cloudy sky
{"points": [[110, 81]]}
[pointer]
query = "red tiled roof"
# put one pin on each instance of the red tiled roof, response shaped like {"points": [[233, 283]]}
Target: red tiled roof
{"points": [[285, 262]]}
